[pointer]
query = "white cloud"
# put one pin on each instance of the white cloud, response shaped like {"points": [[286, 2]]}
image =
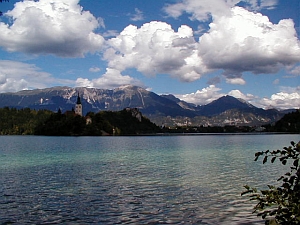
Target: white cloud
{"points": [[236, 80], [199, 10], [205, 9], [203, 96], [156, 48], [238, 41], [11, 84], [94, 69], [138, 16], [84, 82], [211, 93], [288, 98], [111, 79], [58, 27], [241, 95], [282, 100], [16, 76], [246, 41], [110, 33], [262, 4], [295, 71]]}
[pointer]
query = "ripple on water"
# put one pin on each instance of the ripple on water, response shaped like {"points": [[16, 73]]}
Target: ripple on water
{"points": [[144, 180]]}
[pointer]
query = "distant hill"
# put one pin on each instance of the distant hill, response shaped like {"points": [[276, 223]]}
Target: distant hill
{"points": [[223, 104], [290, 122], [164, 109]]}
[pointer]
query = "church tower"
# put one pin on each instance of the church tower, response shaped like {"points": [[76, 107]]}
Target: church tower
{"points": [[78, 106]]}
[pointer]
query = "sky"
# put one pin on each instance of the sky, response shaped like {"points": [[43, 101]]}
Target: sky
{"points": [[197, 50]]}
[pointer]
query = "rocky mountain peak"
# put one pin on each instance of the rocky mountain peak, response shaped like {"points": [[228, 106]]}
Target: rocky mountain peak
{"points": [[150, 104]]}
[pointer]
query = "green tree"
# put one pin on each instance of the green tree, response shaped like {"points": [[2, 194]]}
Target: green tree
{"points": [[280, 205]]}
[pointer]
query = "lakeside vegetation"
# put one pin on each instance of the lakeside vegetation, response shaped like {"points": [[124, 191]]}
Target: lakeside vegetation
{"points": [[279, 204], [44, 122]]}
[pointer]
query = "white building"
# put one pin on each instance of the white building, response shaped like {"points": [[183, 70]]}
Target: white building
{"points": [[78, 106]]}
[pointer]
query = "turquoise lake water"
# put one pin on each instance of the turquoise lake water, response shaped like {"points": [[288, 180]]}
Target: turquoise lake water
{"points": [[194, 179]]}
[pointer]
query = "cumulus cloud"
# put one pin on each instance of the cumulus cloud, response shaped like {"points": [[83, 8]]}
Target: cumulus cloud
{"points": [[155, 48], [203, 96], [241, 95], [287, 98], [282, 100], [111, 79], [238, 41], [16, 76], [247, 41], [58, 27], [236, 80], [10, 84], [110, 33], [199, 10], [211, 93]]}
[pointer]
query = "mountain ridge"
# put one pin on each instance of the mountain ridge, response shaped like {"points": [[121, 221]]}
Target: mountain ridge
{"points": [[156, 107]]}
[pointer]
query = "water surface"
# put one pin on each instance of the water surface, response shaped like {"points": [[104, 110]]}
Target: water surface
{"points": [[133, 180]]}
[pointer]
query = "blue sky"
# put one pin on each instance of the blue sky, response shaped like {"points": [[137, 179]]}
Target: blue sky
{"points": [[198, 50]]}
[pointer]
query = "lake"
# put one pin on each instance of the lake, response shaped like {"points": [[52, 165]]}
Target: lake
{"points": [[189, 179]]}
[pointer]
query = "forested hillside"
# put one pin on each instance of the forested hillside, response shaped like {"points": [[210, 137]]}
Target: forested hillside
{"points": [[21, 121], [125, 122], [44, 122], [290, 122]]}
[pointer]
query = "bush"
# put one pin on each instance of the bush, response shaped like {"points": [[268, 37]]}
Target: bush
{"points": [[279, 205]]}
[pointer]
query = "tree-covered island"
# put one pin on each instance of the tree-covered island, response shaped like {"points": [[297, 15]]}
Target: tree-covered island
{"points": [[128, 121], [44, 122]]}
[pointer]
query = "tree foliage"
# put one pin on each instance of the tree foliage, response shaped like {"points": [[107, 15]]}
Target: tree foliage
{"points": [[119, 123], [21, 121], [61, 125], [44, 122], [290, 122], [280, 205]]}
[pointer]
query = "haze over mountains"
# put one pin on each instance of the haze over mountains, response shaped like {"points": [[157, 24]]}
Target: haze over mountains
{"points": [[161, 109]]}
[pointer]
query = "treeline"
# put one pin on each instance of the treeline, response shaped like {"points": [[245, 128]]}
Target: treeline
{"points": [[288, 123], [44, 122], [126, 122], [210, 129], [21, 121]]}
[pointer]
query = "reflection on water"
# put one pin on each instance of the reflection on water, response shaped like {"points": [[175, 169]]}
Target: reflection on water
{"points": [[132, 180]]}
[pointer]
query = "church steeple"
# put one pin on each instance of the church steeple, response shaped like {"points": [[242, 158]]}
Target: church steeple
{"points": [[78, 106], [78, 99]]}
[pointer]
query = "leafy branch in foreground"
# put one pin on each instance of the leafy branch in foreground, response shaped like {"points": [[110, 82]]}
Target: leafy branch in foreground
{"points": [[279, 205]]}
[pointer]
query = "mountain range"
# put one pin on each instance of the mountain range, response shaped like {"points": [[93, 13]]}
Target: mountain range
{"points": [[161, 109]]}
